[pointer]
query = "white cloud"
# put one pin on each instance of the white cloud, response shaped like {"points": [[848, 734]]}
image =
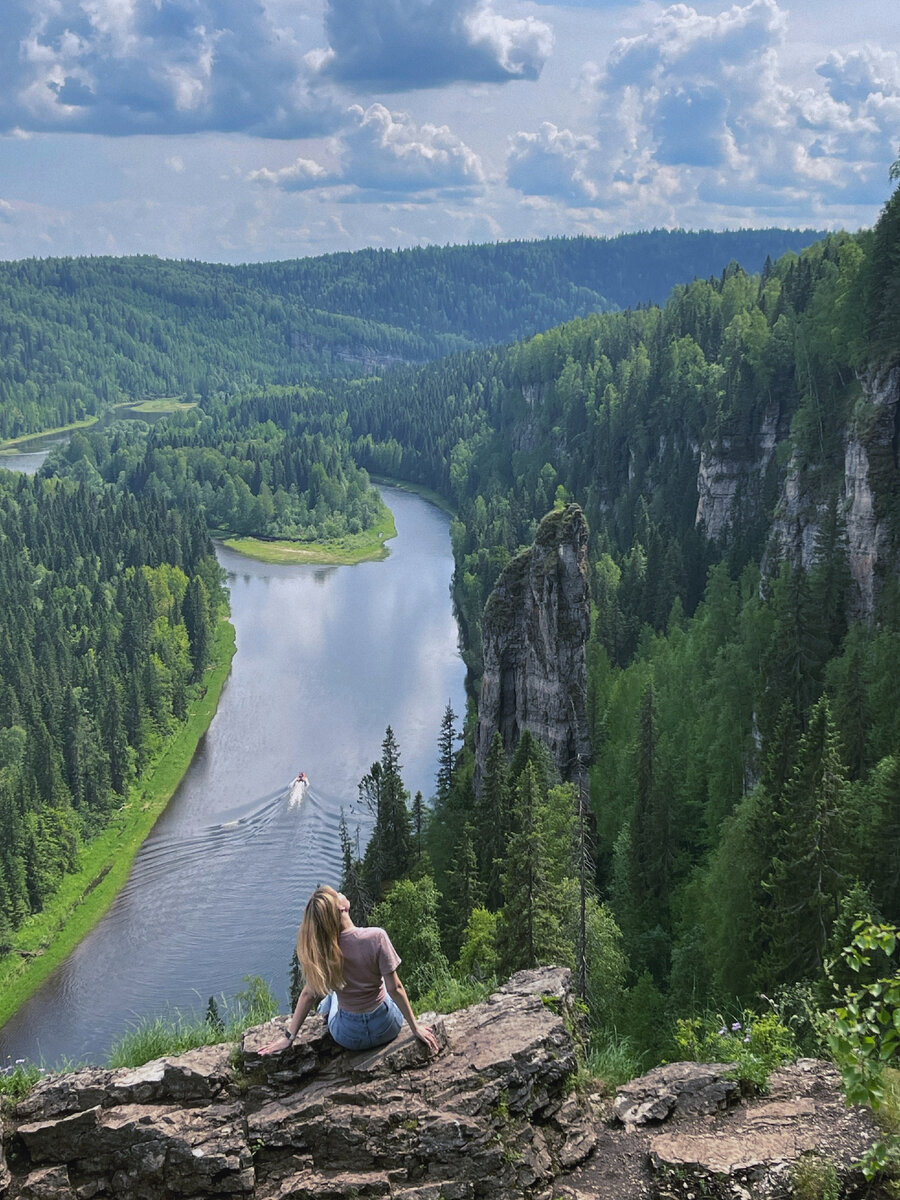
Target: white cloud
{"points": [[142, 66], [698, 107], [554, 162], [300, 175], [403, 44], [388, 153]]}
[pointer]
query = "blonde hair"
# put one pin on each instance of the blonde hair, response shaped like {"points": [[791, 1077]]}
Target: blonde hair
{"points": [[317, 942]]}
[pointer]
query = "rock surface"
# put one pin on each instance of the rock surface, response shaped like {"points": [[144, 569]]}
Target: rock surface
{"points": [[491, 1116], [535, 628], [731, 475], [758, 1148], [677, 1089]]}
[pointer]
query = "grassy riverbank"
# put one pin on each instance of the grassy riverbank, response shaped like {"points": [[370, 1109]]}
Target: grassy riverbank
{"points": [[161, 405], [343, 551], [417, 489], [47, 937], [14, 444]]}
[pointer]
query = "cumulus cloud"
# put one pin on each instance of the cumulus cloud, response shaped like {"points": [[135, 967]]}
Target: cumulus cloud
{"points": [[401, 44], [388, 154], [554, 162], [697, 110], [142, 66]]}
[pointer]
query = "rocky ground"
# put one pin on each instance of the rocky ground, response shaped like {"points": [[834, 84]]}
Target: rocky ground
{"points": [[684, 1131], [493, 1116]]}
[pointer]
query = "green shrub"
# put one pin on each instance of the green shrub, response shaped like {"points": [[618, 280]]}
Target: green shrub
{"points": [[864, 1034], [17, 1079], [757, 1045]]}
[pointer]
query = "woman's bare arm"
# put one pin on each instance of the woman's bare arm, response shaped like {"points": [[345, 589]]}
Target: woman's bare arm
{"points": [[397, 993], [304, 1004]]}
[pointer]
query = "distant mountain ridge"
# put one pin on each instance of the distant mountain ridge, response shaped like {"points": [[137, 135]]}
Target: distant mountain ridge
{"points": [[80, 334]]}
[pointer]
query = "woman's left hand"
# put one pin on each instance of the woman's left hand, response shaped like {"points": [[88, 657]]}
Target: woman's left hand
{"points": [[282, 1043], [424, 1034]]}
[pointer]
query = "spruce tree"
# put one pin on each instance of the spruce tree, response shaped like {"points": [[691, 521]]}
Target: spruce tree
{"points": [[808, 873]]}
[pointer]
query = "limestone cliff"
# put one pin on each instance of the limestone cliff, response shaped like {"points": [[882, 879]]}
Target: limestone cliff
{"points": [[735, 475], [535, 627], [865, 491], [732, 474], [492, 1115]]}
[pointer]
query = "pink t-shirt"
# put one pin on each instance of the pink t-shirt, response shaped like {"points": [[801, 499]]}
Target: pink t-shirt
{"points": [[368, 957]]}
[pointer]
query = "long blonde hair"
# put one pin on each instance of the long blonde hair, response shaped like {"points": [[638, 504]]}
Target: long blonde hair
{"points": [[317, 942]]}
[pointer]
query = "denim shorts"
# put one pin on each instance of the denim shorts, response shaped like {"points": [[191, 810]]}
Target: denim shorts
{"points": [[361, 1031]]}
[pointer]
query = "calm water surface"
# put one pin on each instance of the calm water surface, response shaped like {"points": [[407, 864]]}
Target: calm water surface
{"points": [[327, 658]]}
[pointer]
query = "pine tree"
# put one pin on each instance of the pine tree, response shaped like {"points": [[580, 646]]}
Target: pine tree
{"points": [[493, 822], [531, 928], [389, 852], [808, 873]]}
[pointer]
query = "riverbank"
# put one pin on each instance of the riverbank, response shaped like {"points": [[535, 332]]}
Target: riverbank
{"points": [[417, 489], [368, 546], [48, 937], [157, 408], [15, 444]]}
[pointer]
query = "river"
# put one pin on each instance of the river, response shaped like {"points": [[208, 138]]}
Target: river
{"points": [[327, 657]]}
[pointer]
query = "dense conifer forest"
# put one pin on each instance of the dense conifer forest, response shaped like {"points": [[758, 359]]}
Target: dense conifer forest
{"points": [[78, 335], [744, 803], [741, 806], [107, 608]]}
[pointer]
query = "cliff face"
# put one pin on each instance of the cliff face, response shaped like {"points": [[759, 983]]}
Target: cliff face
{"points": [[536, 623], [864, 491], [733, 474], [491, 1116]]}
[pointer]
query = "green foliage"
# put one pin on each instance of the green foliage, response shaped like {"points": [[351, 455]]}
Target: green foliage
{"points": [[478, 956], [409, 913], [607, 965], [814, 1178], [445, 992], [865, 1033], [611, 1058], [757, 1045], [107, 607], [177, 1032], [16, 1080]]}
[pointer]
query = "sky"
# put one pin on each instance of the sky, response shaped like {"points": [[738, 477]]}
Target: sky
{"points": [[245, 130]]}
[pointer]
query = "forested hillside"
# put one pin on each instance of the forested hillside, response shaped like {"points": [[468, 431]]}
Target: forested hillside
{"points": [[745, 654], [107, 609], [742, 800], [271, 464], [78, 335]]}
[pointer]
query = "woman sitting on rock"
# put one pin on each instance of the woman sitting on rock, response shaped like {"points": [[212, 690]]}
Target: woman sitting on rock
{"points": [[356, 971]]}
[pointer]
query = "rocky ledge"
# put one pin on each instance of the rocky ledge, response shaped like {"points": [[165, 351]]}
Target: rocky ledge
{"points": [[686, 1131], [493, 1115]]}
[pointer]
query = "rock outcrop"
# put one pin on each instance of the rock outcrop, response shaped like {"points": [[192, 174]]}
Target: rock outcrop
{"points": [[491, 1116], [732, 474], [535, 628], [686, 1130], [873, 450]]}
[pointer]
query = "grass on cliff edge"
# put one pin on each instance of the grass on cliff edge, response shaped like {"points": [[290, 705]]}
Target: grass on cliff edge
{"points": [[47, 937], [367, 546]]}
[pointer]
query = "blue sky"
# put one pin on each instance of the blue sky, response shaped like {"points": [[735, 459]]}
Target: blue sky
{"points": [[236, 130]]}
